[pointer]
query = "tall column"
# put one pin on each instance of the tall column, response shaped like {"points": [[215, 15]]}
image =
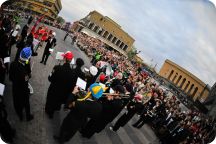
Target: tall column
{"points": [[172, 76]]}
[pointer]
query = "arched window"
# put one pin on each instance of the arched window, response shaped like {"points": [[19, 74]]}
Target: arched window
{"points": [[189, 91], [183, 81], [195, 91], [171, 73], [178, 80], [187, 86]]}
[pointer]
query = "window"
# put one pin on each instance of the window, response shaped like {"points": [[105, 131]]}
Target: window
{"points": [[118, 42], [95, 28], [90, 25], [105, 34], [110, 37], [122, 44], [114, 40], [100, 31], [125, 47]]}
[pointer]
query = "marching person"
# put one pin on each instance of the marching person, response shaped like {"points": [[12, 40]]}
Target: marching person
{"points": [[80, 111], [51, 43], [67, 33], [62, 82], [19, 75]]}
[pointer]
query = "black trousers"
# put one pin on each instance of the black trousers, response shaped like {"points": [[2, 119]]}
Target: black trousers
{"points": [[20, 105], [45, 57], [124, 119], [91, 127], [71, 124], [142, 121]]}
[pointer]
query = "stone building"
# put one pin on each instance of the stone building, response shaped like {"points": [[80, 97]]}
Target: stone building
{"points": [[49, 8], [105, 29], [186, 81]]}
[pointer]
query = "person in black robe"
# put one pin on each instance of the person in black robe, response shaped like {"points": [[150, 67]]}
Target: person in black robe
{"points": [[19, 75], [78, 71], [51, 43], [132, 108], [80, 111], [62, 82], [2, 70], [112, 106], [24, 32]]}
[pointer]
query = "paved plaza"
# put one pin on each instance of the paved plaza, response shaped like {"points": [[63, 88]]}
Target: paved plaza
{"points": [[41, 129]]}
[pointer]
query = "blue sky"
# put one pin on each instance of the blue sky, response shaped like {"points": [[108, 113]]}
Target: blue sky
{"points": [[183, 31]]}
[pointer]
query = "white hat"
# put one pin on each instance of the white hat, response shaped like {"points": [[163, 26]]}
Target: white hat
{"points": [[54, 34], [93, 70]]}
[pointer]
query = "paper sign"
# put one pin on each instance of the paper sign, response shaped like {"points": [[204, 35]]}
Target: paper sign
{"points": [[7, 60], [111, 91], [108, 70], [30, 88], [36, 43], [59, 56], [2, 88], [72, 62], [51, 50], [81, 83]]}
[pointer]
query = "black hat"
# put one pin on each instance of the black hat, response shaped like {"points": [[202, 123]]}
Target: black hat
{"points": [[79, 62]]}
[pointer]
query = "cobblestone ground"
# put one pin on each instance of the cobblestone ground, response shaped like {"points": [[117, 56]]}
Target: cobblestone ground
{"points": [[41, 129]]}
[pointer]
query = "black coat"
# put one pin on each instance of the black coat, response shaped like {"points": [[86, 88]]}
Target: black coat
{"points": [[50, 44], [18, 74], [111, 110], [24, 31], [62, 82], [79, 73], [77, 117]]}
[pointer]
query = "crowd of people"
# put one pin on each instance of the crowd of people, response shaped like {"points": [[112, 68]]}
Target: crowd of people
{"points": [[163, 113], [114, 87]]}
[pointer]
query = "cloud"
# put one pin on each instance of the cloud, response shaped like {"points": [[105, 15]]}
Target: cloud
{"points": [[1, 2], [182, 31]]}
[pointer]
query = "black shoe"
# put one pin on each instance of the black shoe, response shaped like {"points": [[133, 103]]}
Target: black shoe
{"points": [[30, 117], [41, 62], [134, 126], [44, 63]]}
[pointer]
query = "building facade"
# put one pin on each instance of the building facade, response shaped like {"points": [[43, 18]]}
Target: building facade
{"points": [[105, 29], [187, 82], [49, 8]]}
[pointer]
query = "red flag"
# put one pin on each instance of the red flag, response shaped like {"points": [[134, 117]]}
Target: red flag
{"points": [[37, 22]]}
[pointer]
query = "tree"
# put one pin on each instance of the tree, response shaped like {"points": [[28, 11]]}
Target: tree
{"points": [[60, 20], [132, 53]]}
